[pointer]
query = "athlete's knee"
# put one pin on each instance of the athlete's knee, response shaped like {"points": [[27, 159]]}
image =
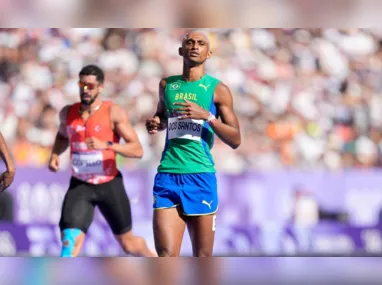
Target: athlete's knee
{"points": [[166, 252], [70, 242], [203, 252], [133, 245]]}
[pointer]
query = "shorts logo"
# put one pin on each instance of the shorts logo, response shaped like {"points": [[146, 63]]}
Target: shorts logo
{"points": [[174, 86], [206, 203]]}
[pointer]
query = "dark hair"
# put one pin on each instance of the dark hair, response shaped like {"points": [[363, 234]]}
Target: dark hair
{"points": [[93, 70]]}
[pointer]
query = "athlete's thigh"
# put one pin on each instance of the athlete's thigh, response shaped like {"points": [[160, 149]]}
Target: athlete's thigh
{"points": [[200, 204], [168, 225], [77, 209], [202, 234], [114, 204], [166, 190]]}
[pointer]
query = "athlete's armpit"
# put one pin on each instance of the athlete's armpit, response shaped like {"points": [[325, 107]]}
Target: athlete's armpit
{"points": [[122, 126]]}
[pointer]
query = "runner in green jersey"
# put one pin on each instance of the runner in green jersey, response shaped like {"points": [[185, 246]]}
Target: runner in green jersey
{"points": [[185, 187]]}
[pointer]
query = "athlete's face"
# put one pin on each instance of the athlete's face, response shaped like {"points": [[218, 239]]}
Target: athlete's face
{"points": [[89, 89], [195, 49]]}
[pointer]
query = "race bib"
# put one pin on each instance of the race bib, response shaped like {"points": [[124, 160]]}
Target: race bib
{"points": [[88, 162], [184, 129]]}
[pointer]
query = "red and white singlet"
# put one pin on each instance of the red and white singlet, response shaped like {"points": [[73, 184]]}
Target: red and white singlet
{"points": [[91, 166]]}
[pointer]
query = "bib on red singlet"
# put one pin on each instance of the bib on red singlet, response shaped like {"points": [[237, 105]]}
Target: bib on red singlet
{"points": [[88, 162]]}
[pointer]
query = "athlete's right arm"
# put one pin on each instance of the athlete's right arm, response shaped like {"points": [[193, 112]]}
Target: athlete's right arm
{"points": [[61, 142], [158, 121], [6, 178]]}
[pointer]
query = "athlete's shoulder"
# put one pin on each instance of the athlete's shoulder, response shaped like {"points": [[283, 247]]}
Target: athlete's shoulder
{"points": [[117, 113], [163, 83], [73, 105], [221, 86], [168, 80], [213, 82], [108, 103], [114, 107], [172, 78], [222, 94], [64, 112]]}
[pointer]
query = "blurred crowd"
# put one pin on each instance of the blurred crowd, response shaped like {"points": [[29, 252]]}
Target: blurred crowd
{"points": [[196, 13], [305, 98]]}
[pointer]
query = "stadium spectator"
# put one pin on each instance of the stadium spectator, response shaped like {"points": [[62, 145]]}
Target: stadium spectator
{"points": [[306, 98]]}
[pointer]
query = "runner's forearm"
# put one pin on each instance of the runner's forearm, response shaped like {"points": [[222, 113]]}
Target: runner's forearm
{"points": [[130, 149], [228, 134], [6, 155], [61, 143]]}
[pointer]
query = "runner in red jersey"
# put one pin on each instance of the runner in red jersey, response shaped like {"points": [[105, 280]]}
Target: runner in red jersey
{"points": [[93, 166], [93, 129]]}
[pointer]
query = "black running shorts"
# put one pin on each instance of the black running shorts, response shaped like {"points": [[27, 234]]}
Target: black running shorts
{"points": [[111, 199]]}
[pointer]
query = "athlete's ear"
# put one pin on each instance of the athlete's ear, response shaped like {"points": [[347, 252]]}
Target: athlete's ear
{"points": [[180, 51], [101, 87], [209, 54]]}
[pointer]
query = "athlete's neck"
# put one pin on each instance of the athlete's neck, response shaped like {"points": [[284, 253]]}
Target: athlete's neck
{"points": [[193, 73], [91, 108]]}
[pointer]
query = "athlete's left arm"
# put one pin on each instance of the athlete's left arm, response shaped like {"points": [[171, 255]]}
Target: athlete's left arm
{"points": [[121, 125], [132, 147], [228, 129]]}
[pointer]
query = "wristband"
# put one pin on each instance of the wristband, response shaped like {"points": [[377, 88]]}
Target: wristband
{"points": [[109, 144], [211, 119]]}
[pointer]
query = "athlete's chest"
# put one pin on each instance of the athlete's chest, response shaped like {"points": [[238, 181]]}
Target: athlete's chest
{"points": [[200, 95], [83, 126]]}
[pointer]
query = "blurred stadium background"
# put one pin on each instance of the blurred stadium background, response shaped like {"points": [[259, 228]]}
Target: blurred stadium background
{"points": [[306, 179]]}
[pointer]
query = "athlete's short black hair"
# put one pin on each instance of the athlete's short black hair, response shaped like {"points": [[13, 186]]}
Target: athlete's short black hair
{"points": [[93, 70]]}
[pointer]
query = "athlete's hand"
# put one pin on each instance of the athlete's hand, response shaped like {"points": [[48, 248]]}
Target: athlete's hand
{"points": [[94, 143], [190, 110], [6, 179], [154, 125], [54, 163]]}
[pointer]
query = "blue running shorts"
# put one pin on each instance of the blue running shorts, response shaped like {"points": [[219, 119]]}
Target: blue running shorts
{"points": [[195, 194]]}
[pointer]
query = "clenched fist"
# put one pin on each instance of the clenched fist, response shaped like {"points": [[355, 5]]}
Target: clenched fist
{"points": [[54, 163], [6, 179], [190, 110], [154, 125], [94, 143]]}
